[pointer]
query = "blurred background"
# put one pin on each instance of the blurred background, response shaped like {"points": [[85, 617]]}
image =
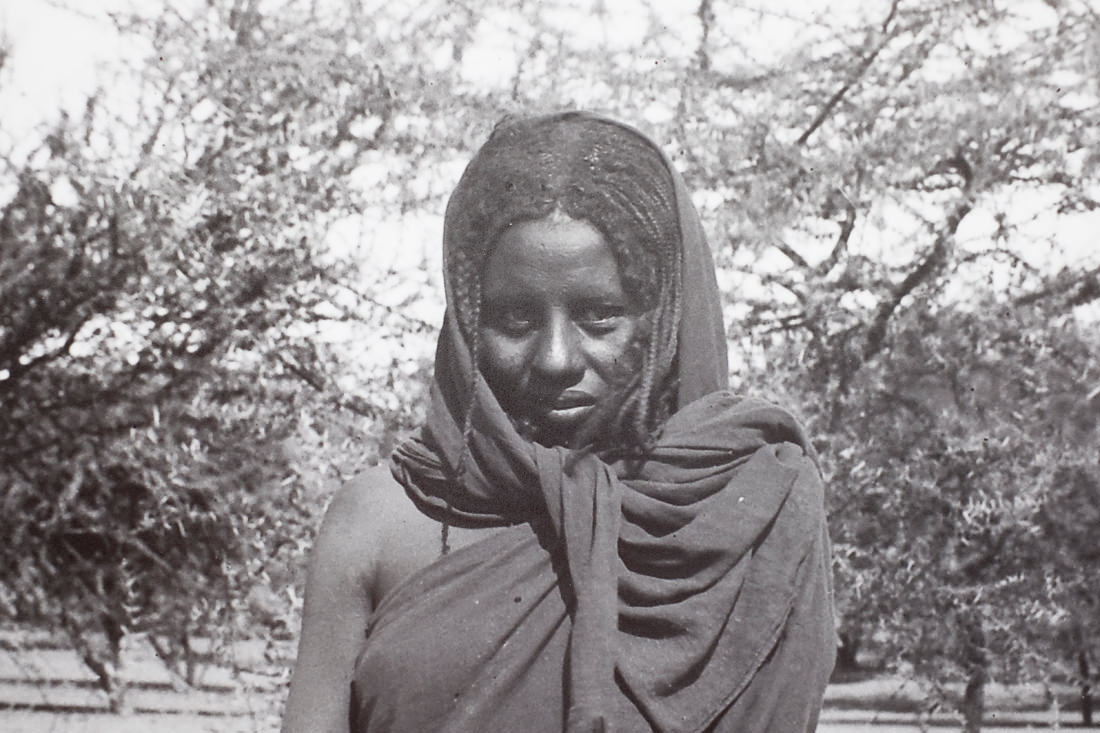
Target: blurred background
{"points": [[220, 224]]}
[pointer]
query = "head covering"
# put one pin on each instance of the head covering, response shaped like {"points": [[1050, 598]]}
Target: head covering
{"points": [[698, 341], [679, 575]]}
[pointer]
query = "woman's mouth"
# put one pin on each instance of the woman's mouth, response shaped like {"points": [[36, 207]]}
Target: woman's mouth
{"points": [[572, 399], [567, 409]]}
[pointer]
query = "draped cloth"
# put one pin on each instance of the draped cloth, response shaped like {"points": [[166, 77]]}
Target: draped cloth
{"points": [[691, 592]]}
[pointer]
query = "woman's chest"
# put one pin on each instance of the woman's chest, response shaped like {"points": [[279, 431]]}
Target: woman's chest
{"points": [[468, 643], [412, 542]]}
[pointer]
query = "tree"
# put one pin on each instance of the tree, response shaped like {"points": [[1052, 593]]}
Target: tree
{"points": [[916, 360], [884, 191], [159, 322]]}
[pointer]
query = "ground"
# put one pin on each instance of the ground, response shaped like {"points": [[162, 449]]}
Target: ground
{"points": [[44, 688]]}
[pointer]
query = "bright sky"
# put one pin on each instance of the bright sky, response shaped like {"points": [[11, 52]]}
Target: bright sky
{"points": [[56, 56]]}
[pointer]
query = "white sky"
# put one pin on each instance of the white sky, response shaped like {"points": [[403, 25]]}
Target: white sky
{"points": [[56, 59]]}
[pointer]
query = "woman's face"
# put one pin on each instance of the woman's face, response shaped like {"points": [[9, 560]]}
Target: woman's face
{"points": [[557, 328]]}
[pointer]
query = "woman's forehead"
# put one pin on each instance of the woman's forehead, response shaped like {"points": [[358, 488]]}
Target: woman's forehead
{"points": [[551, 256]]}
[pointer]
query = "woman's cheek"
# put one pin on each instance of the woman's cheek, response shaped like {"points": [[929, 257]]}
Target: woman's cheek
{"points": [[503, 360], [617, 353]]}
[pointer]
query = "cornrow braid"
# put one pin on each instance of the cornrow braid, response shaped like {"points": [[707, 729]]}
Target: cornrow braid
{"points": [[468, 417], [605, 174]]}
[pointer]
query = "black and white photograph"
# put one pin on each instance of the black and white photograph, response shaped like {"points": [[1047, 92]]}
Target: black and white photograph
{"points": [[537, 366]]}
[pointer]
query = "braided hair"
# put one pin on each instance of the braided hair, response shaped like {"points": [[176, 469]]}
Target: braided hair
{"points": [[611, 177]]}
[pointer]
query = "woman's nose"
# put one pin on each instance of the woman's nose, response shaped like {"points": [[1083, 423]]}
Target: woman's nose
{"points": [[558, 354]]}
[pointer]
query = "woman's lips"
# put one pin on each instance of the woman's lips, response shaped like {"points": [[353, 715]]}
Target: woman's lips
{"points": [[567, 408], [558, 416], [571, 400]]}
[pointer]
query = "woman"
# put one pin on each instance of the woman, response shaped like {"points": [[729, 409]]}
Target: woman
{"points": [[589, 533]]}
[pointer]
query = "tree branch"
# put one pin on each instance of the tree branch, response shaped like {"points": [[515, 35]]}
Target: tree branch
{"points": [[353, 403], [864, 65], [706, 17], [1087, 280], [932, 263], [845, 234], [362, 297], [790, 253]]}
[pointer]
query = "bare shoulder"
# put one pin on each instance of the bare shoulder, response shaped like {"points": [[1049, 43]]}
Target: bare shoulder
{"points": [[372, 539], [373, 528], [374, 499], [340, 595], [349, 535], [374, 536]]}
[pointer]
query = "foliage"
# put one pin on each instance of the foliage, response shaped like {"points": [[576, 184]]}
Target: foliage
{"points": [[929, 365], [159, 320], [189, 349], [966, 499]]}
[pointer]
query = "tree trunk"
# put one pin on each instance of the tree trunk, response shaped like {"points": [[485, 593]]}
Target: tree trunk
{"points": [[114, 685], [973, 706], [1054, 704], [102, 655], [108, 678], [847, 651], [1086, 690], [976, 662]]}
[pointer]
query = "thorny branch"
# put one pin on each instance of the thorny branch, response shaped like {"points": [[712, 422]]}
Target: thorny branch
{"points": [[706, 17], [1089, 282], [864, 65], [841, 246], [790, 253], [932, 263]]}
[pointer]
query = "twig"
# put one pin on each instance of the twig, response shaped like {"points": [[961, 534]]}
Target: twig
{"points": [[864, 65]]}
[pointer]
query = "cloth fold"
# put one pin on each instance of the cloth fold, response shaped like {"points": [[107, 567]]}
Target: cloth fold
{"points": [[677, 585], [691, 592]]}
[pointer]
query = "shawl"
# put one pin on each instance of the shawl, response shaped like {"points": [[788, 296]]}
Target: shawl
{"points": [[690, 593]]}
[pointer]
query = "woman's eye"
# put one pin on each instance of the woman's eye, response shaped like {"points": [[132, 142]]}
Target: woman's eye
{"points": [[601, 315], [514, 321]]}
